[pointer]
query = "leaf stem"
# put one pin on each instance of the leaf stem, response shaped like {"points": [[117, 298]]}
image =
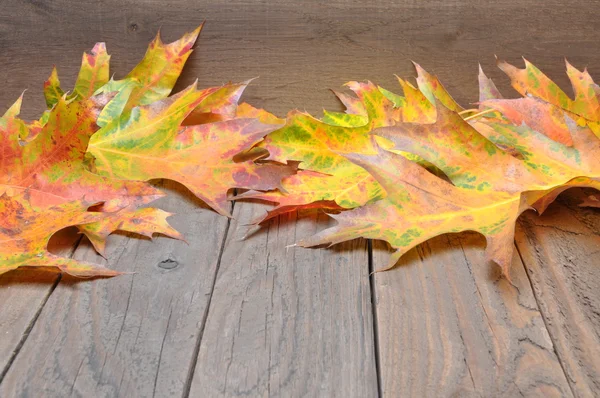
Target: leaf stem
{"points": [[479, 114], [468, 111]]}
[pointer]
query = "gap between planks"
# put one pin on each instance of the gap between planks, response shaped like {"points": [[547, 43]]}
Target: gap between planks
{"points": [[188, 382], [203, 323], [546, 323], [375, 317], [62, 236]]}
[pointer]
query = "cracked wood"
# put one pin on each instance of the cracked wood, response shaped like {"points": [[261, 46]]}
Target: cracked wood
{"points": [[450, 326], [287, 321], [130, 336], [560, 251]]}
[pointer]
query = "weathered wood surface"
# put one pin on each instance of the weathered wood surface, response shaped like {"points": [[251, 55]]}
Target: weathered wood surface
{"points": [[443, 323], [450, 326], [23, 295], [134, 335], [561, 251], [287, 322], [299, 50]]}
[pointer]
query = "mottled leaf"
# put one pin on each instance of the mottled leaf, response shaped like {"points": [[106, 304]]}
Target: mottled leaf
{"points": [[420, 206], [142, 221], [25, 232], [532, 81], [151, 144]]}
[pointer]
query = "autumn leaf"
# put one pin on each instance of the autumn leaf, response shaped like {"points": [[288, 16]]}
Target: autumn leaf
{"points": [[420, 206], [245, 110], [487, 89], [44, 169], [531, 81], [25, 232], [401, 168], [304, 190], [498, 167], [434, 91], [328, 180], [52, 90], [46, 178], [218, 104], [158, 71], [538, 115], [92, 75], [142, 221], [51, 166], [152, 143]]}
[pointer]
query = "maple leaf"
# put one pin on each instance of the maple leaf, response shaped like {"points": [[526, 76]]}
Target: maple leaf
{"points": [[152, 143], [93, 74], [25, 232]]}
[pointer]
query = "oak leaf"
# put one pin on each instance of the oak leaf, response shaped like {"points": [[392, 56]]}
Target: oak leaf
{"points": [[496, 168], [328, 180]]}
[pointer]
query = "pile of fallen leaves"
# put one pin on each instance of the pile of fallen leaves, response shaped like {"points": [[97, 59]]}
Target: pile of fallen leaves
{"points": [[402, 169]]}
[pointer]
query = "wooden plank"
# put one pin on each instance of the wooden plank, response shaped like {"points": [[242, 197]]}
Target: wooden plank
{"points": [[561, 252], [287, 322], [299, 50], [450, 326], [23, 293], [134, 335]]}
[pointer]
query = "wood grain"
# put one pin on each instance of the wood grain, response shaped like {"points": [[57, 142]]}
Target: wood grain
{"points": [[23, 293], [134, 335], [287, 321], [299, 50], [450, 326], [561, 250]]}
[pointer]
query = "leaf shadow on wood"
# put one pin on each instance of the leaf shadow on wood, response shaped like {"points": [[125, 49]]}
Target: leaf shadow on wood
{"points": [[565, 206], [319, 219], [179, 190], [62, 243], [435, 250]]}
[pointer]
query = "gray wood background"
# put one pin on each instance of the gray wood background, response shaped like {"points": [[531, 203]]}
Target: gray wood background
{"points": [[252, 318]]}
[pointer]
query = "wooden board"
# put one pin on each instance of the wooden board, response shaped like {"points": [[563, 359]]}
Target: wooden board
{"points": [[287, 321], [23, 294], [450, 326], [299, 50], [561, 250], [134, 335]]}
